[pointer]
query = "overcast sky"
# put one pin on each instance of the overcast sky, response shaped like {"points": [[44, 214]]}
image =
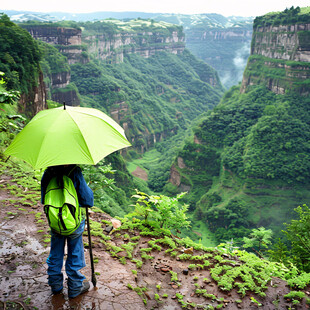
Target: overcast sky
{"points": [[224, 7]]}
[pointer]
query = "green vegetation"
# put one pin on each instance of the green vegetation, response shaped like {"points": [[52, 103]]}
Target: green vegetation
{"points": [[162, 211], [285, 74], [250, 148], [287, 17], [155, 99], [19, 57]]}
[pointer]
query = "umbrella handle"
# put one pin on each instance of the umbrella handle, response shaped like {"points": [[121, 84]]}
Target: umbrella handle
{"points": [[93, 277], [64, 105]]}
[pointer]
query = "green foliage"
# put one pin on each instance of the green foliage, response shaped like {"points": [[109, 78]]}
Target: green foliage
{"points": [[259, 238], [295, 295], [107, 196], [287, 17], [260, 146], [299, 282], [165, 211], [298, 233], [6, 96], [19, 56]]}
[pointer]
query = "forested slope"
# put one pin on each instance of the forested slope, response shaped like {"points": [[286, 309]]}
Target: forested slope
{"points": [[248, 163]]}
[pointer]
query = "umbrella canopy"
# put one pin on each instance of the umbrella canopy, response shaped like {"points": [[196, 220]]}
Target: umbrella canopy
{"points": [[73, 135]]}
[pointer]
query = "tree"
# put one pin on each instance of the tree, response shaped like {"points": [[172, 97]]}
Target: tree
{"points": [[6, 96], [298, 233], [165, 211], [259, 238]]}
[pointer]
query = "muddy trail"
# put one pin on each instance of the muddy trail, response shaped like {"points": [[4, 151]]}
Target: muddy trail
{"points": [[133, 271], [24, 240]]}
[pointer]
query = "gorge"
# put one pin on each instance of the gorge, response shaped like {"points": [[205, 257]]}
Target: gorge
{"points": [[241, 155]]}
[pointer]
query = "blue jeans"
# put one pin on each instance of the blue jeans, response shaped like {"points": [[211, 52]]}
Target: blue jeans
{"points": [[75, 261]]}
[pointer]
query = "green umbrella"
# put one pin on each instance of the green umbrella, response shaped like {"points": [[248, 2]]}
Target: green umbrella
{"points": [[69, 135]]}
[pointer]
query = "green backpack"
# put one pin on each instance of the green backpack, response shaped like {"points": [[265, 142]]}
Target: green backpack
{"points": [[61, 206]]}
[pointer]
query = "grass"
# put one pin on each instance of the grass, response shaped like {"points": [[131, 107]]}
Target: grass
{"points": [[200, 232], [148, 159]]}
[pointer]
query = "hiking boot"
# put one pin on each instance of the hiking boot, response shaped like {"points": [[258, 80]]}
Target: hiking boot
{"points": [[57, 292], [85, 287]]}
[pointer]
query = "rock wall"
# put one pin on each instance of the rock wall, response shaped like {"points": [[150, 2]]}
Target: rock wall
{"points": [[280, 57], [281, 42], [70, 97], [218, 34], [55, 35], [146, 44], [37, 97]]}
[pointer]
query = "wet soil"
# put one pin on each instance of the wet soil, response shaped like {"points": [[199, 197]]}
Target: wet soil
{"points": [[24, 248]]}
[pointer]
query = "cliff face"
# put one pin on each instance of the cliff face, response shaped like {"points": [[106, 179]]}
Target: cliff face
{"points": [[102, 45], [280, 57], [55, 35], [107, 46], [37, 97], [145, 44], [285, 42]]}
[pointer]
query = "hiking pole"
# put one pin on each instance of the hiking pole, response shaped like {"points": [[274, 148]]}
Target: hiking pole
{"points": [[93, 277]]}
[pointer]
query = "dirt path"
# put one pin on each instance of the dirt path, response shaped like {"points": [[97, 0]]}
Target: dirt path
{"points": [[23, 281]]}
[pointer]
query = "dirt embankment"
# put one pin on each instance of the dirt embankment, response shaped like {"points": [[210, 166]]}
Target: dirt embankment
{"points": [[140, 173]]}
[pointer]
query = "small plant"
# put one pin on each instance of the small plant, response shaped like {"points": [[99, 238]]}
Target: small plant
{"points": [[146, 250], [154, 246], [27, 301], [158, 286], [156, 297], [256, 302], [295, 295], [191, 266], [206, 280], [123, 260], [134, 272], [174, 276], [145, 256], [138, 263]]}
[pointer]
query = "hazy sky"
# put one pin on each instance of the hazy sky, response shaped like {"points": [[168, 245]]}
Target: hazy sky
{"points": [[224, 7]]}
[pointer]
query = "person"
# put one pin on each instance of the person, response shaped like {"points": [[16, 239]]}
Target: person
{"points": [[75, 254]]}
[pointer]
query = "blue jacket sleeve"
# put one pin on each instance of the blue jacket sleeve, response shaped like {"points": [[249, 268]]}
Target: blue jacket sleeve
{"points": [[85, 194]]}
